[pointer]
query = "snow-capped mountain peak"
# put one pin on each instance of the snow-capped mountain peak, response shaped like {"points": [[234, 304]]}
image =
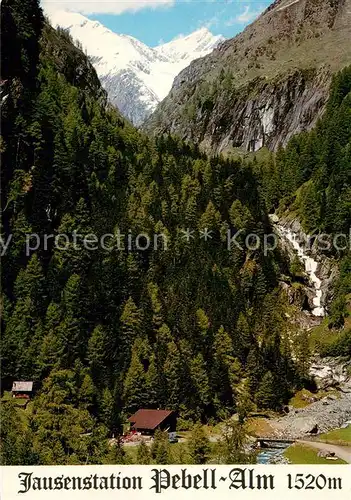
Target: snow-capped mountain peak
{"points": [[191, 46], [136, 77]]}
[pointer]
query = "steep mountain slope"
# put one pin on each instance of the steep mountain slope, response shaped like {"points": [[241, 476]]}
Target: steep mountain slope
{"points": [[122, 326], [181, 323], [135, 76], [264, 85]]}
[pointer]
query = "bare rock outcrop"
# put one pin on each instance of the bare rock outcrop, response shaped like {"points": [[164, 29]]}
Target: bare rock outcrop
{"points": [[264, 85], [331, 372]]}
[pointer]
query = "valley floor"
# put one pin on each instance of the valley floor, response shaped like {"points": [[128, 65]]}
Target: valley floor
{"points": [[343, 452]]}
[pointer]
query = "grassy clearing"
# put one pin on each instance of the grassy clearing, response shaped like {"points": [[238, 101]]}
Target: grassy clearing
{"points": [[304, 397], [259, 427], [17, 401], [341, 437], [301, 399], [303, 454], [322, 336], [7, 396], [178, 451]]}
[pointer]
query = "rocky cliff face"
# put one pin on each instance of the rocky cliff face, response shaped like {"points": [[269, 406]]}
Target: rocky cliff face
{"points": [[260, 114], [264, 85], [271, 113]]}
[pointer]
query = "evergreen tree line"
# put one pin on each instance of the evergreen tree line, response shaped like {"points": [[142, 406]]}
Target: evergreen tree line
{"points": [[312, 174]]}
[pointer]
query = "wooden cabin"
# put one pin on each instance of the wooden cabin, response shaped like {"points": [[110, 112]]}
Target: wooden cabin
{"points": [[148, 421], [23, 390]]}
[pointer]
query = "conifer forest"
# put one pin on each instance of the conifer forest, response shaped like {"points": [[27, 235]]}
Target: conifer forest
{"points": [[122, 287]]}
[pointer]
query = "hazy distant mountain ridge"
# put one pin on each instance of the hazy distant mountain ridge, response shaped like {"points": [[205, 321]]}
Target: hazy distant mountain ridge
{"points": [[136, 77]]}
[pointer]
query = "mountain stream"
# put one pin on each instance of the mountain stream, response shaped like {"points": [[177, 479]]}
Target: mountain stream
{"points": [[310, 266]]}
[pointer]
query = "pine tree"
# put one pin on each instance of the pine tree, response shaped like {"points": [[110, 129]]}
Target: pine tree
{"points": [[160, 448], [31, 283], [200, 381], [31, 368], [226, 368], [244, 403], [96, 355], [244, 336], [14, 438], [157, 318], [143, 454], [134, 385], [211, 218], [18, 333], [51, 347], [117, 455], [232, 447], [253, 368], [172, 371], [106, 407], [266, 395], [72, 330], [199, 445], [240, 216], [58, 423], [152, 388], [163, 338], [24, 325], [86, 392], [74, 258], [133, 277], [203, 323], [131, 327], [303, 354]]}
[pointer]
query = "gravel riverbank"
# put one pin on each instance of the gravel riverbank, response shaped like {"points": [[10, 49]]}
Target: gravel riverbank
{"points": [[329, 413]]}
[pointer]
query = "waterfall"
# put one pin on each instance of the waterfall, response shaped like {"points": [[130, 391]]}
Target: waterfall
{"points": [[310, 266]]}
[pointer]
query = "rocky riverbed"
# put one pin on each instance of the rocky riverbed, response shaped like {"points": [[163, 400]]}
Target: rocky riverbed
{"points": [[329, 413], [332, 375]]}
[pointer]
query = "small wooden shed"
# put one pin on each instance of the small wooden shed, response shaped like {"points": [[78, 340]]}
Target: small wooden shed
{"points": [[22, 389]]}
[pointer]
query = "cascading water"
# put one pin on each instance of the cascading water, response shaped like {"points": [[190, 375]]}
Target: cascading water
{"points": [[310, 266]]}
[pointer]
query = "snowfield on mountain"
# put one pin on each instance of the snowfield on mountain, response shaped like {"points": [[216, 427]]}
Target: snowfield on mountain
{"points": [[136, 77]]}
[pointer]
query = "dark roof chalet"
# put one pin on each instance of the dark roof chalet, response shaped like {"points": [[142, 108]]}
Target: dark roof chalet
{"points": [[149, 419], [22, 386]]}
